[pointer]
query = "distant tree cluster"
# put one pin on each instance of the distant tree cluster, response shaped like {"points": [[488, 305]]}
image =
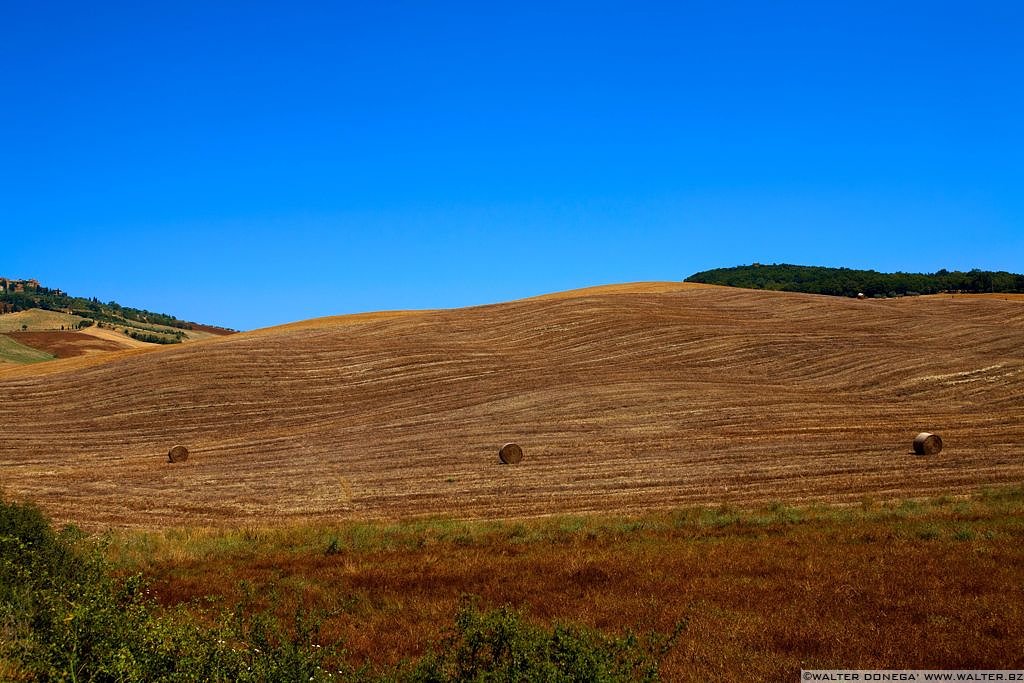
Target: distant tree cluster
{"points": [[847, 282], [152, 338], [56, 300]]}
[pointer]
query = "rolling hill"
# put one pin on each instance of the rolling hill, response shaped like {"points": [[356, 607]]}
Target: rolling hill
{"points": [[625, 398]]}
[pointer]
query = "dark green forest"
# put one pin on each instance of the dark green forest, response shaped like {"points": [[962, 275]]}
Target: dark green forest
{"points": [[848, 282]]}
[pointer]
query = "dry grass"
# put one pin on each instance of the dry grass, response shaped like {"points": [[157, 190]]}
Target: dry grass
{"points": [[11, 673], [333, 321], [643, 397], [623, 288], [992, 295], [935, 584], [37, 320], [116, 336]]}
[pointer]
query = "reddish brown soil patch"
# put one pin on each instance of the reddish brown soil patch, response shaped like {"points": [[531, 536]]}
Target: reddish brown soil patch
{"points": [[66, 344], [212, 329]]}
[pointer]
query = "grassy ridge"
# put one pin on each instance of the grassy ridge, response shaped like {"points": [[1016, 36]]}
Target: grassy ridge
{"points": [[916, 584], [848, 282]]}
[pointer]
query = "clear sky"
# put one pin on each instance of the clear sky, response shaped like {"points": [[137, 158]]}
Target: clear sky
{"points": [[252, 163]]}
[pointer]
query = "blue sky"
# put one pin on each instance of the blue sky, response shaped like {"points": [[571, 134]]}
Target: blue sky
{"points": [[253, 163]]}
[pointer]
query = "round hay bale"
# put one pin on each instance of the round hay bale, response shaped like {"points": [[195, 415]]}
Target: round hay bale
{"points": [[177, 454], [510, 454], [927, 444]]}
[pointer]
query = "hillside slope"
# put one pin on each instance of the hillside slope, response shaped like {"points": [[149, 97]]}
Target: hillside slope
{"points": [[13, 351], [36, 319], [48, 334], [623, 398]]}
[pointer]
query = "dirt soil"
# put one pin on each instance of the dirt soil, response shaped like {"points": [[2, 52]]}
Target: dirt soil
{"points": [[624, 399], [67, 344], [211, 329]]}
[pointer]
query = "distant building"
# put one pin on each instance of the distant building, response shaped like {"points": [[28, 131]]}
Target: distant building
{"points": [[9, 285]]}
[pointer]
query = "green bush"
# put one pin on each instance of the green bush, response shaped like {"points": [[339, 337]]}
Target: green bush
{"points": [[152, 338], [500, 645], [64, 617]]}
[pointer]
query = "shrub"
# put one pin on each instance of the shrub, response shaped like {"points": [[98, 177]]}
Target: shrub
{"points": [[500, 645], [63, 616]]}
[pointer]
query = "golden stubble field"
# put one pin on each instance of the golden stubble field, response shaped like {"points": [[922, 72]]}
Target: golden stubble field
{"points": [[625, 399]]}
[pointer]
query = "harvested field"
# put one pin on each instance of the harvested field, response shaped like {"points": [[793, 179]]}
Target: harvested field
{"points": [[68, 344], [987, 295], [632, 398]]}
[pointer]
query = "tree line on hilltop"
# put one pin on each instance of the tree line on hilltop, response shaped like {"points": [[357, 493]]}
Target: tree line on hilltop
{"points": [[849, 282], [33, 295]]}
